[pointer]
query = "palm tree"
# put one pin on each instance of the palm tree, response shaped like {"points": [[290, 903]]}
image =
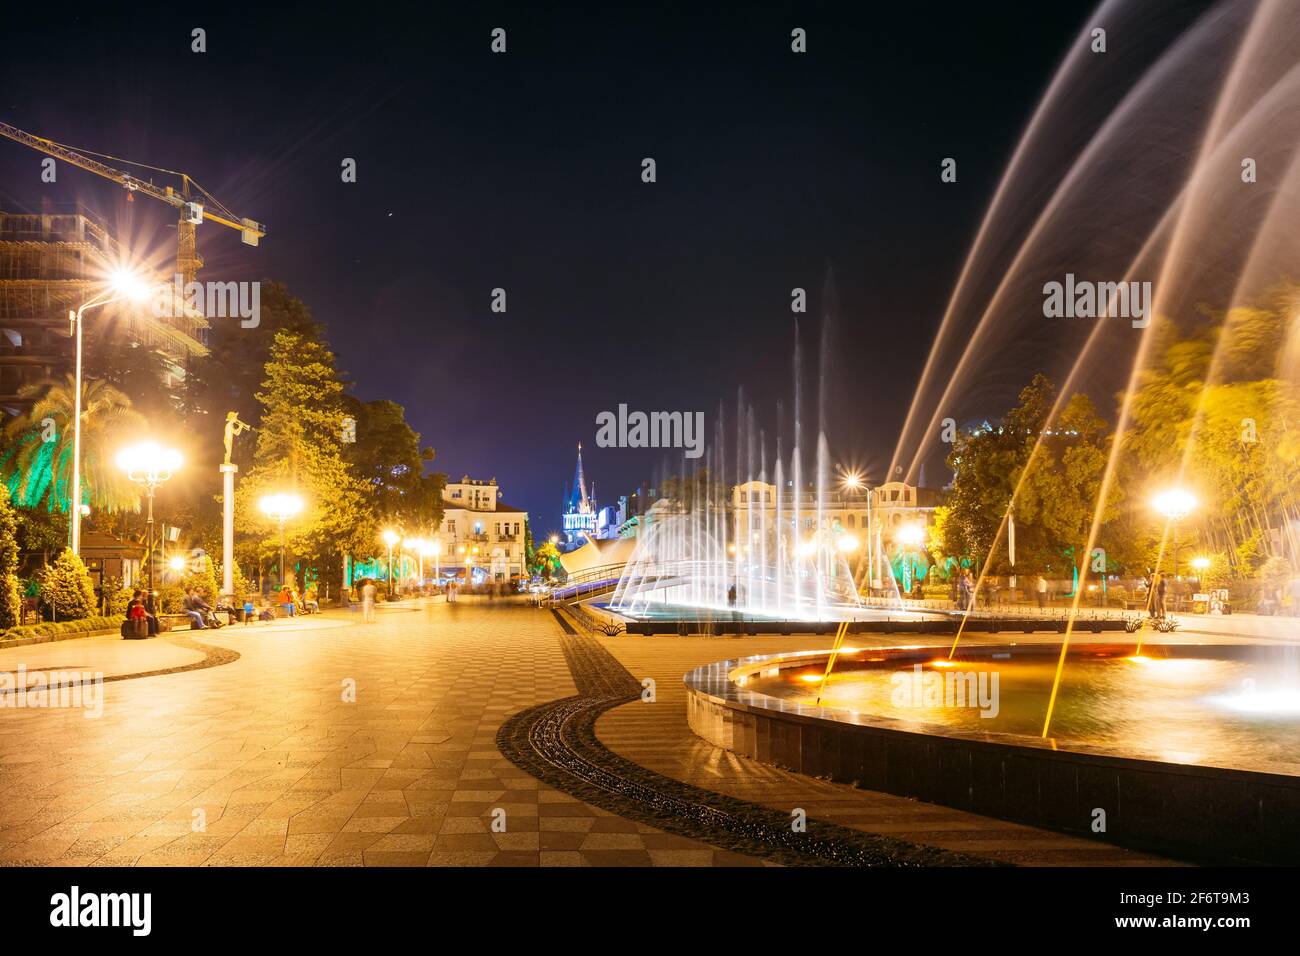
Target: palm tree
{"points": [[38, 466]]}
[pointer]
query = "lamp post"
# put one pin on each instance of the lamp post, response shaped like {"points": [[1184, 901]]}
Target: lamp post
{"points": [[436, 549], [148, 464], [281, 507], [1175, 504], [124, 285], [391, 538]]}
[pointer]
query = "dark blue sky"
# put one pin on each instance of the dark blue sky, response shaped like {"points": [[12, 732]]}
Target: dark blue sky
{"points": [[522, 171]]}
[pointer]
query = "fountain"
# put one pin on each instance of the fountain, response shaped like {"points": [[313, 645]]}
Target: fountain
{"points": [[1187, 748]]}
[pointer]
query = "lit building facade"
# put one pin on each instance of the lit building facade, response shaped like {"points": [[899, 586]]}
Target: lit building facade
{"points": [[480, 533], [581, 518]]}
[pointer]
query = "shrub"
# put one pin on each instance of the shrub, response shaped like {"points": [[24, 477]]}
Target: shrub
{"points": [[171, 599], [53, 629], [116, 597], [205, 579], [11, 603], [66, 587]]}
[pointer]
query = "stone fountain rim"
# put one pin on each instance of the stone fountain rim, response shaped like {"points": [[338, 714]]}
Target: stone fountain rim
{"points": [[716, 684]]}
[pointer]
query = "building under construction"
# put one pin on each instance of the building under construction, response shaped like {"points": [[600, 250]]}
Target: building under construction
{"points": [[50, 263]]}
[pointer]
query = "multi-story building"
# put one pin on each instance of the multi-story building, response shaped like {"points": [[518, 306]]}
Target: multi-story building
{"points": [[53, 262], [889, 514], [480, 533]]}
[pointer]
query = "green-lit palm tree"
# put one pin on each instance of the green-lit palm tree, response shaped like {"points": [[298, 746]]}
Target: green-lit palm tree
{"points": [[37, 466]]}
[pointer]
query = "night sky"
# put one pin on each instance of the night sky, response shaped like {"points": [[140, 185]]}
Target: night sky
{"points": [[522, 171]]}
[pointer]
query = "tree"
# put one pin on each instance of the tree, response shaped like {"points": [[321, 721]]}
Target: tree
{"points": [[387, 455], [229, 377], [11, 603], [38, 465], [299, 450], [66, 587], [1210, 414], [546, 560], [1051, 467]]}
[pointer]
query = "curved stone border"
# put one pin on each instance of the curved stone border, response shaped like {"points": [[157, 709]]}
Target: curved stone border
{"points": [[556, 742], [212, 657]]}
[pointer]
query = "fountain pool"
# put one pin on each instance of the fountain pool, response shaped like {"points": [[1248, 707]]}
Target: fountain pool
{"points": [[1188, 749]]}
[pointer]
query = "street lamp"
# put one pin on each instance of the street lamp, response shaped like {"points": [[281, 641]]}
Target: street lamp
{"points": [[281, 507], [124, 285], [1175, 504], [147, 464], [391, 538]]}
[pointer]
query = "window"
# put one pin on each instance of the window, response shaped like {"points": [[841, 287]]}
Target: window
{"points": [[451, 527]]}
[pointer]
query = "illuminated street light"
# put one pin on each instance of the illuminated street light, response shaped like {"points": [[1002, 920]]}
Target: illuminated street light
{"points": [[846, 544], [123, 285], [147, 464], [910, 535], [281, 507], [391, 538], [1175, 504]]}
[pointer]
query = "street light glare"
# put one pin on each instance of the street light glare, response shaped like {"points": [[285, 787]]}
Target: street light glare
{"points": [[148, 458], [910, 535], [846, 544], [1174, 503], [391, 537], [129, 285], [280, 506]]}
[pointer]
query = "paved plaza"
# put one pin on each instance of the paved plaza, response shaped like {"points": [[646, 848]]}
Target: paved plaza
{"points": [[330, 742]]}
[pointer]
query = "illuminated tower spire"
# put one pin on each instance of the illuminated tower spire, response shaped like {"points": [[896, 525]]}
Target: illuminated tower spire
{"points": [[579, 501]]}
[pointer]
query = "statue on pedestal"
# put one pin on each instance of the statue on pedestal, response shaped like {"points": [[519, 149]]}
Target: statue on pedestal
{"points": [[233, 427]]}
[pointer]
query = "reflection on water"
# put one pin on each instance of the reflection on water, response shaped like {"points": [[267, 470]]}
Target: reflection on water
{"points": [[1223, 713]]}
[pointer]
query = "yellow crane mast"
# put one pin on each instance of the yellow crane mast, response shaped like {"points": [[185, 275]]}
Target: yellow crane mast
{"points": [[192, 213]]}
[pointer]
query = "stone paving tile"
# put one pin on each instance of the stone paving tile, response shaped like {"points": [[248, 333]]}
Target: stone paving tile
{"points": [[657, 736], [286, 773]]}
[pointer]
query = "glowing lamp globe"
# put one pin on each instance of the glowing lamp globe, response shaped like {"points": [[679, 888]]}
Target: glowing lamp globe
{"points": [[1174, 503]]}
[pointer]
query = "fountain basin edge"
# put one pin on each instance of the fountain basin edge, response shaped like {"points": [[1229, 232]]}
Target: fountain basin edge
{"points": [[1187, 811]]}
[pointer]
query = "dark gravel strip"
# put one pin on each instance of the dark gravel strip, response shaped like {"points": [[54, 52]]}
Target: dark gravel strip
{"points": [[557, 743]]}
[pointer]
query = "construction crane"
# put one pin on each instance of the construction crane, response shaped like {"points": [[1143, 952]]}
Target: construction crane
{"points": [[192, 213]]}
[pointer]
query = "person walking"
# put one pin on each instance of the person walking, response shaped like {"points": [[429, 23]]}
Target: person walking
{"points": [[368, 602], [1162, 589], [1040, 589], [966, 590]]}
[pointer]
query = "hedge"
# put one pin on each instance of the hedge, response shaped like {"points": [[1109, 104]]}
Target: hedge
{"points": [[54, 629]]}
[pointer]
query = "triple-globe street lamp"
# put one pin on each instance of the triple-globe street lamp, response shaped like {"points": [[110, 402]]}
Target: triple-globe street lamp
{"points": [[148, 464]]}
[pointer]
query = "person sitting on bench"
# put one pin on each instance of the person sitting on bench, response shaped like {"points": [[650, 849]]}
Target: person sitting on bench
{"points": [[137, 608], [193, 609]]}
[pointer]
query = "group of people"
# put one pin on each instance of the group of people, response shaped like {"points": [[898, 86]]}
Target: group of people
{"points": [[203, 616], [961, 590], [293, 602], [1157, 590], [199, 611]]}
